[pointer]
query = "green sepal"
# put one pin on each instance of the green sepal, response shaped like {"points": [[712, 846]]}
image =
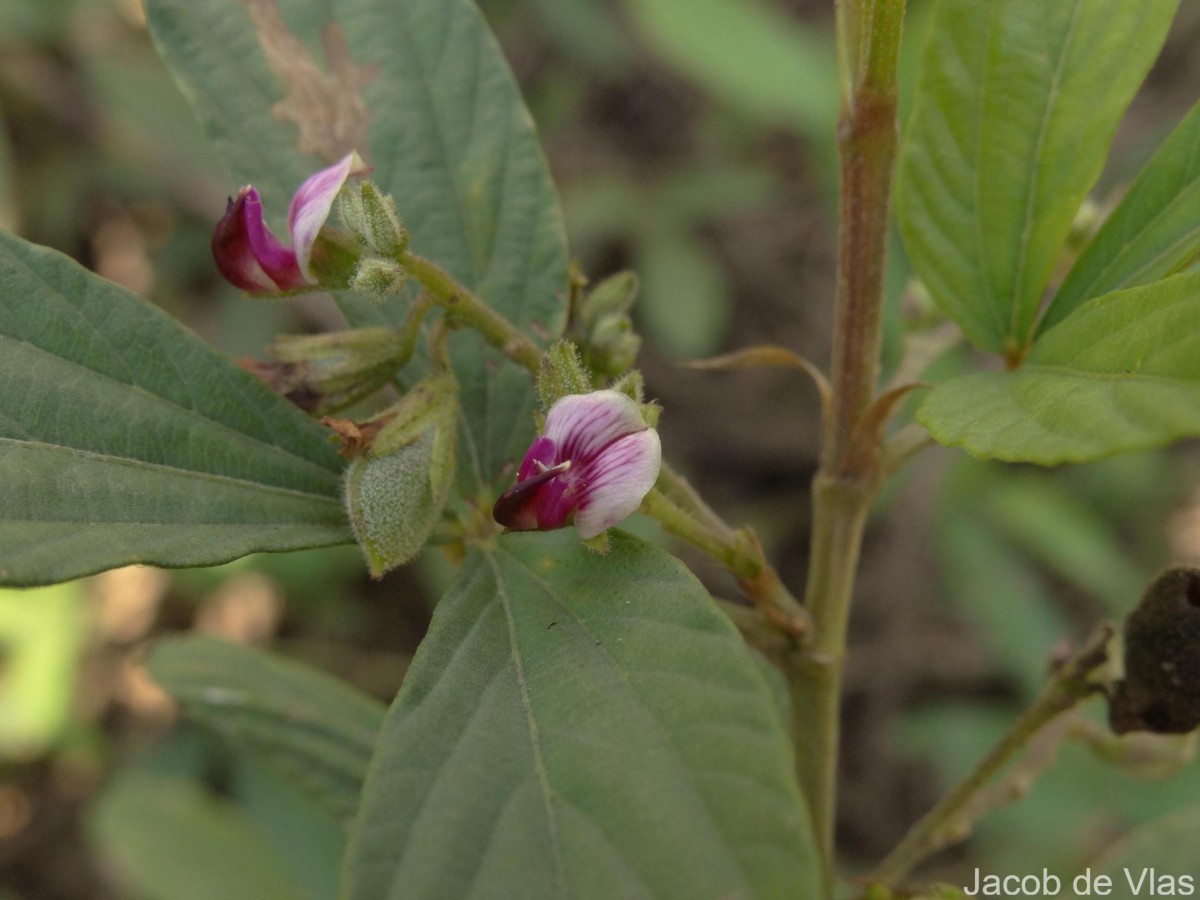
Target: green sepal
{"points": [[561, 374], [378, 278], [335, 258], [342, 367]]}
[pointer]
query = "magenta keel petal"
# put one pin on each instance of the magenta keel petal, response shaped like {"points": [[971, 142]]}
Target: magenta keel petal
{"points": [[248, 254], [540, 456], [276, 260], [233, 253]]}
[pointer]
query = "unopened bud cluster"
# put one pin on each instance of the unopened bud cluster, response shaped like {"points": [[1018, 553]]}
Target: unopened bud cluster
{"points": [[371, 216], [603, 327]]}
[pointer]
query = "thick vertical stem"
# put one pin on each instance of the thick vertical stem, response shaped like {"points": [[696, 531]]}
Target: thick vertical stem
{"points": [[840, 510], [869, 40], [867, 135]]}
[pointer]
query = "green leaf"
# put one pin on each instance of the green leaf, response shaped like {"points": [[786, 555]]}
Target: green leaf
{"points": [[1009, 607], [1167, 847], [1051, 523], [305, 838], [578, 725], [684, 302], [1016, 107], [213, 52], [449, 137], [588, 30], [317, 732], [792, 79], [125, 439], [452, 140], [1152, 232], [168, 839], [1121, 373]]}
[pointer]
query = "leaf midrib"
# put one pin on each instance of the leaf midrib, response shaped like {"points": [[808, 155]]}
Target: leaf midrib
{"points": [[554, 597], [535, 740], [1031, 192], [131, 462], [188, 413]]}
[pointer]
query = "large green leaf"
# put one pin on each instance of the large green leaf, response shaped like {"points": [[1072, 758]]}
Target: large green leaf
{"points": [[126, 439], [449, 137], [1121, 373], [578, 725], [1016, 107], [317, 732], [1154, 230]]}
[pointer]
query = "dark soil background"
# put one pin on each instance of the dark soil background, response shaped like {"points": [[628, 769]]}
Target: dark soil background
{"points": [[89, 177]]}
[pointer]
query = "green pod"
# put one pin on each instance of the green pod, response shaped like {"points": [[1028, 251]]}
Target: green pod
{"points": [[397, 489]]}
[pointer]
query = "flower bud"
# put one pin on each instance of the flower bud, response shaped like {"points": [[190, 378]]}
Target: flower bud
{"points": [[253, 259], [605, 328], [372, 216], [595, 462], [397, 488], [378, 278], [613, 296]]}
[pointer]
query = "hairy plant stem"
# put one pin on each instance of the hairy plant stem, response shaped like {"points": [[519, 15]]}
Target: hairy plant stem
{"points": [[840, 508], [848, 477], [465, 310], [1068, 685], [674, 503], [739, 551]]}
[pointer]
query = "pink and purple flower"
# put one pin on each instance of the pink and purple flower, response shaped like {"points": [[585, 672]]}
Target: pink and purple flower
{"points": [[594, 463], [253, 259]]}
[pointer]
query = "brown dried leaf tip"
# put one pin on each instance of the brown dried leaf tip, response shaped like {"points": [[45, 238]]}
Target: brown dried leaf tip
{"points": [[1161, 690], [356, 437]]}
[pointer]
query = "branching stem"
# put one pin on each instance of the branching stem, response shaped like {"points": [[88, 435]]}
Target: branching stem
{"points": [[1068, 685], [674, 503], [464, 309]]}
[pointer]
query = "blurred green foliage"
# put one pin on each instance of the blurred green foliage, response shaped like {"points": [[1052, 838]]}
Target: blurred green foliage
{"points": [[41, 634], [189, 820], [1030, 558]]}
